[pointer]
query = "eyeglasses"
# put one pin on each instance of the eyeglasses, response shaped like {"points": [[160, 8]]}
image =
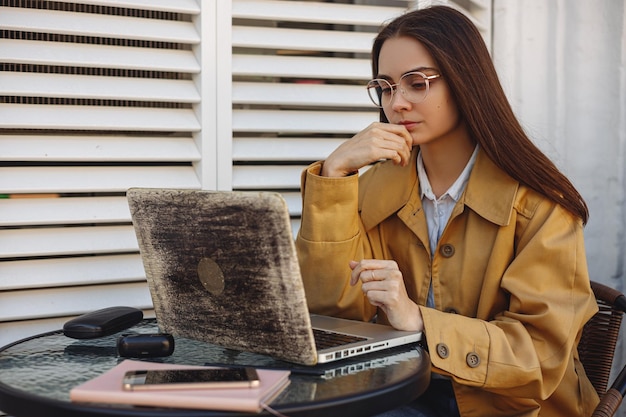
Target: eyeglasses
{"points": [[414, 87]]}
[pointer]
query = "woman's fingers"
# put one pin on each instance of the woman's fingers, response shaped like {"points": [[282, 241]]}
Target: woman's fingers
{"points": [[383, 285], [377, 141], [372, 270]]}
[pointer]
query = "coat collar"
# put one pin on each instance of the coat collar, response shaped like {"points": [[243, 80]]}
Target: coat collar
{"points": [[490, 191]]}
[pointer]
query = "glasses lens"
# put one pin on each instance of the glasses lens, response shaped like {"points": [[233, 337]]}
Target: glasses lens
{"points": [[380, 92], [414, 86]]}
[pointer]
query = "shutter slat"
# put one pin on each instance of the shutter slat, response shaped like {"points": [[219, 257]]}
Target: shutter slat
{"points": [[283, 149], [94, 179], [98, 56], [292, 121], [306, 11], [98, 148], [301, 67], [15, 243], [294, 202], [63, 210], [51, 302], [34, 116], [176, 6], [31, 84], [78, 210], [301, 94], [301, 39], [267, 176], [63, 272], [278, 177], [97, 25]]}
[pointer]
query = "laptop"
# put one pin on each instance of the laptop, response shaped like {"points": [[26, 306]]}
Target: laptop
{"points": [[222, 268]]}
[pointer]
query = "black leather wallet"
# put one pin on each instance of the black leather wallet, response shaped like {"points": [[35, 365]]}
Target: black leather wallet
{"points": [[102, 322]]}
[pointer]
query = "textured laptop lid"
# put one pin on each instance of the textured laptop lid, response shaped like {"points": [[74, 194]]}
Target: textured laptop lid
{"points": [[222, 268]]}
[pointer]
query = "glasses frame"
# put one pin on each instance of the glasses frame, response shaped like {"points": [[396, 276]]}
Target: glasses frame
{"points": [[396, 86]]}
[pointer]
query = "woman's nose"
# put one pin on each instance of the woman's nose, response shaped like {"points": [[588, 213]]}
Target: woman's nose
{"points": [[399, 102]]}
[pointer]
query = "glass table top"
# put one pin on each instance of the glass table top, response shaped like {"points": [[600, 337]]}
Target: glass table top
{"points": [[48, 366]]}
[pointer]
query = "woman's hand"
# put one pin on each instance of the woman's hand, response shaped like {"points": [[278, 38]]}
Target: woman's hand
{"points": [[377, 141], [383, 286]]}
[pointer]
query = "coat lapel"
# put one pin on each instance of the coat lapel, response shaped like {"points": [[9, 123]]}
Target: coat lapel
{"points": [[386, 188], [490, 191]]}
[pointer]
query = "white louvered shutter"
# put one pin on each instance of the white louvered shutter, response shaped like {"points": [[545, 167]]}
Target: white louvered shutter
{"points": [[97, 96]]}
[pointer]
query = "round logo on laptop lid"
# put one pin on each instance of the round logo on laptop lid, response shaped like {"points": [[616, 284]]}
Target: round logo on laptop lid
{"points": [[211, 276]]}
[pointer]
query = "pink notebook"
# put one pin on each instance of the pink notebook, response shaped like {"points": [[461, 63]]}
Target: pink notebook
{"points": [[107, 389]]}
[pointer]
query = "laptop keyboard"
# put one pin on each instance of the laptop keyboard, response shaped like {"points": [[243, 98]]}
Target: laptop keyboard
{"points": [[325, 339]]}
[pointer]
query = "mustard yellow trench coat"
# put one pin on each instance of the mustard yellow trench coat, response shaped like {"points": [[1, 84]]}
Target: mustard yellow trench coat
{"points": [[509, 275]]}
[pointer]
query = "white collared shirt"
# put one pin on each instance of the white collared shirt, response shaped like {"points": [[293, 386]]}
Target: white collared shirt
{"points": [[438, 210]]}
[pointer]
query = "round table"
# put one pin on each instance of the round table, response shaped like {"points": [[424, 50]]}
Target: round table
{"points": [[37, 374]]}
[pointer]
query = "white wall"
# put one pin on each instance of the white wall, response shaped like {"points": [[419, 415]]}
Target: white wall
{"points": [[563, 65]]}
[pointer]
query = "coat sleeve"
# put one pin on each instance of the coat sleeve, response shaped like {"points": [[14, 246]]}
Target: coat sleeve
{"points": [[329, 237], [526, 350]]}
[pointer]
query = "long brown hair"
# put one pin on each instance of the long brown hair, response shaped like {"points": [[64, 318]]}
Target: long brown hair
{"points": [[464, 62]]}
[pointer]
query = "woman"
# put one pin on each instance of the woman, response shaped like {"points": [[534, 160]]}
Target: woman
{"points": [[464, 231]]}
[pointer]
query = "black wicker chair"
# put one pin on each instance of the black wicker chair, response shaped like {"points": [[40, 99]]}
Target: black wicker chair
{"points": [[597, 348]]}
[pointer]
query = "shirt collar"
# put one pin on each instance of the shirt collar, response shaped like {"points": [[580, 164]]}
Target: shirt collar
{"points": [[456, 189]]}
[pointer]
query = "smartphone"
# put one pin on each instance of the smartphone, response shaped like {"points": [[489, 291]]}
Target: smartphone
{"points": [[172, 379]]}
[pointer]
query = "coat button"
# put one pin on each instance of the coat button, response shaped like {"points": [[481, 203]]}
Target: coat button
{"points": [[442, 350], [446, 250], [451, 310], [472, 359]]}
